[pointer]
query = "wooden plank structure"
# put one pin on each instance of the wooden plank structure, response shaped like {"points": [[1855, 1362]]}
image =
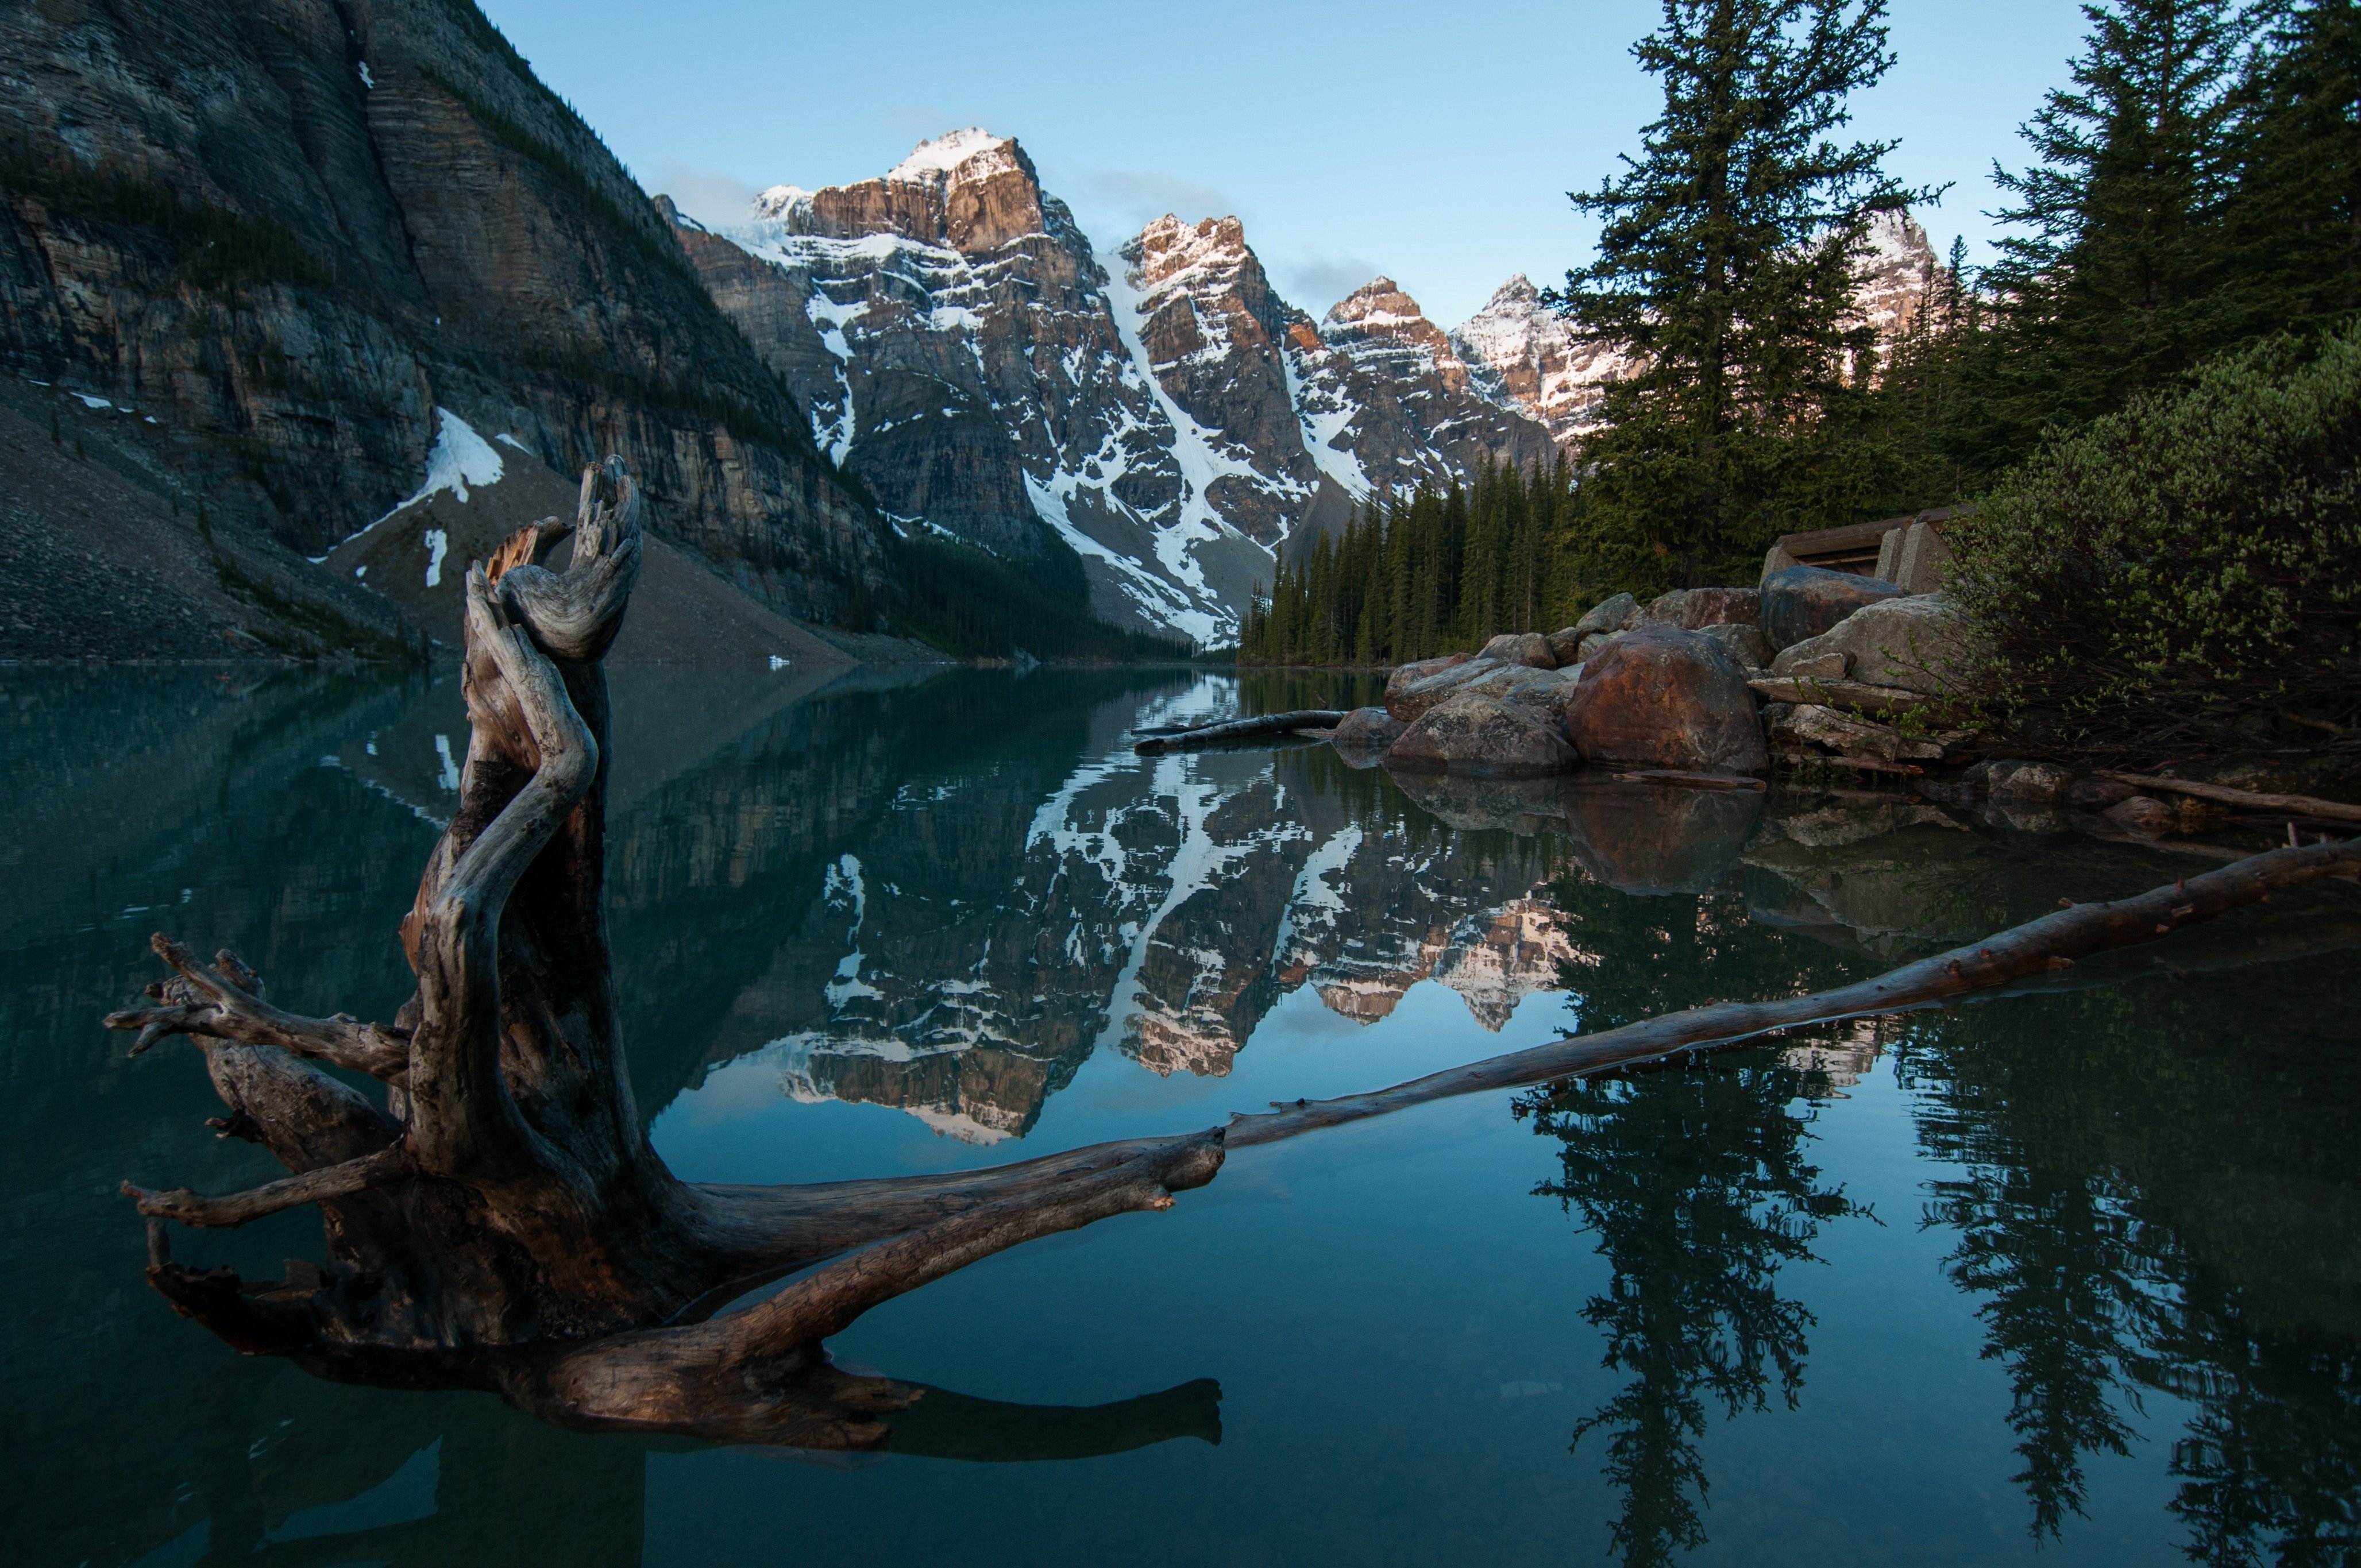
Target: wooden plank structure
{"points": [[1860, 548]]}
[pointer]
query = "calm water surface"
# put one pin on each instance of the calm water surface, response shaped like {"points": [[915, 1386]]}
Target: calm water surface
{"points": [[2072, 1276]]}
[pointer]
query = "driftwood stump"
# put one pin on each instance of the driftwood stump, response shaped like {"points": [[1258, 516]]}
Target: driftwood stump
{"points": [[500, 1220]]}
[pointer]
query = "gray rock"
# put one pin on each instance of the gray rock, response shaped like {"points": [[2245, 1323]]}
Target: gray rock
{"points": [[2144, 815], [1744, 640], [1919, 643], [1812, 724], [1694, 609], [1362, 737], [1475, 733], [1530, 649], [1664, 610], [1565, 646], [2027, 787], [1813, 664], [1594, 645], [2097, 795], [1804, 602], [1414, 688], [1610, 615]]}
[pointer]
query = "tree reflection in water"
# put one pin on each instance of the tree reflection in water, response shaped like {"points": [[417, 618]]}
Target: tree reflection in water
{"points": [[2157, 1195], [1696, 1182], [1697, 1185]]}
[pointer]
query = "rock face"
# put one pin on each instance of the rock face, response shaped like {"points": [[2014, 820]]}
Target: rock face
{"points": [[1477, 733], [1917, 644], [1384, 399], [382, 212], [1804, 602], [1521, 353], [1666, 698], [1160, 409]]}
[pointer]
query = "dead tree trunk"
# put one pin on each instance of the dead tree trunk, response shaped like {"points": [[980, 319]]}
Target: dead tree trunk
{"points": [[500, 1220]]}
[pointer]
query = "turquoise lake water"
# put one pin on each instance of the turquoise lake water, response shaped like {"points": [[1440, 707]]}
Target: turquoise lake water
{"points": [[2070, 1276]]}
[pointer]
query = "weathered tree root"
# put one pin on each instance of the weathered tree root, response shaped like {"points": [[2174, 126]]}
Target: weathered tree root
{"points": [[502, 1221]]}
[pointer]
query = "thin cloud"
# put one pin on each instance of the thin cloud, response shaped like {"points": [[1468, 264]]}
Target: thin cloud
{"points": [[1317, 282], [707, 195], [1140, 196]]}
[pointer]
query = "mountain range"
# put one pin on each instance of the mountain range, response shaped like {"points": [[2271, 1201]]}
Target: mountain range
{"points": [[264, 266]]}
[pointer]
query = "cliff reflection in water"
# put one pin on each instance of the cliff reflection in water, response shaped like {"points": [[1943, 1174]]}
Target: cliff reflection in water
{"points": [[979, 935]]}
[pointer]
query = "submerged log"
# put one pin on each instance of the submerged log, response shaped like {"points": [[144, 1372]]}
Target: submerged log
{"points": [[496, 1217], [1155, 743]]}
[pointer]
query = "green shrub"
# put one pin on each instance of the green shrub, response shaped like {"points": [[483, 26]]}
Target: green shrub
{"points": [[2182, 578]]}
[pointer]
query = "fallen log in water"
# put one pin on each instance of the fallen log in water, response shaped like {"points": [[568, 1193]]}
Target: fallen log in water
{"points": [[2053, 942], [1153, 744], [2301, 804]]}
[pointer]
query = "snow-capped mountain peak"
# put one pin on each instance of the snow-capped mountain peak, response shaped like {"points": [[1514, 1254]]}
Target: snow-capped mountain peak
{"points": [[944, 160]]}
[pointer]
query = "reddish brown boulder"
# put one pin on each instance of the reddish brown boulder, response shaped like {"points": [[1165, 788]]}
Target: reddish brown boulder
{"points": [[1663, 697], [1473, 733]]}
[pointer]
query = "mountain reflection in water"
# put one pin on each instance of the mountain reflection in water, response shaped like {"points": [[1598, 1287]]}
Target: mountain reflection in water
{"points": [[2070, 1273]]}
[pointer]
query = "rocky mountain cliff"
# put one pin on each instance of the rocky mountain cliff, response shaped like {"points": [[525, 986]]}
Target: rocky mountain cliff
{"points": [[286, 232], [965, 351]]}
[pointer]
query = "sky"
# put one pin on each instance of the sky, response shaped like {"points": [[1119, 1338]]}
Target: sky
{"points": [[1434, 143]]}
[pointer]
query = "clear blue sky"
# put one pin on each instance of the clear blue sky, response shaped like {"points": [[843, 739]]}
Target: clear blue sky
{"points": [[1433, 143]]}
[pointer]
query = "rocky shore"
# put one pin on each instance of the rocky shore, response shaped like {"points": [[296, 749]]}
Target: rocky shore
{"points": [[1844, 679]]}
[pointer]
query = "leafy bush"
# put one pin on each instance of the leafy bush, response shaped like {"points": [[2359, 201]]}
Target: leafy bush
{"points": [[2182, 578]]}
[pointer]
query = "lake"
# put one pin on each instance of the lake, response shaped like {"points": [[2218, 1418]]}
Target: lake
{"points": [[2072, 1275]]}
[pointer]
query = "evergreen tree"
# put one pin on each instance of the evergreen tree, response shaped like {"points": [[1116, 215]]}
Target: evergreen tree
{"points": [[2112, 286], [1726, 274], [2291, 241]]}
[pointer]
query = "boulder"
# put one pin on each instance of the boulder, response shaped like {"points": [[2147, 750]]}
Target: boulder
{"points": [[1812, 664], [1470, 732], [1610, 615], [1664, 610], [1547, 697], [1429, 682], [1694, 609], [1565, 646], [1363, 734], [1592, 644], [2097, 795], [1663, 697], [1804, 602], [1721, 606], [1530, 649], [1918, 644], [1776, 560], [1743, 638], [2143, 817], [2026, 786]]}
